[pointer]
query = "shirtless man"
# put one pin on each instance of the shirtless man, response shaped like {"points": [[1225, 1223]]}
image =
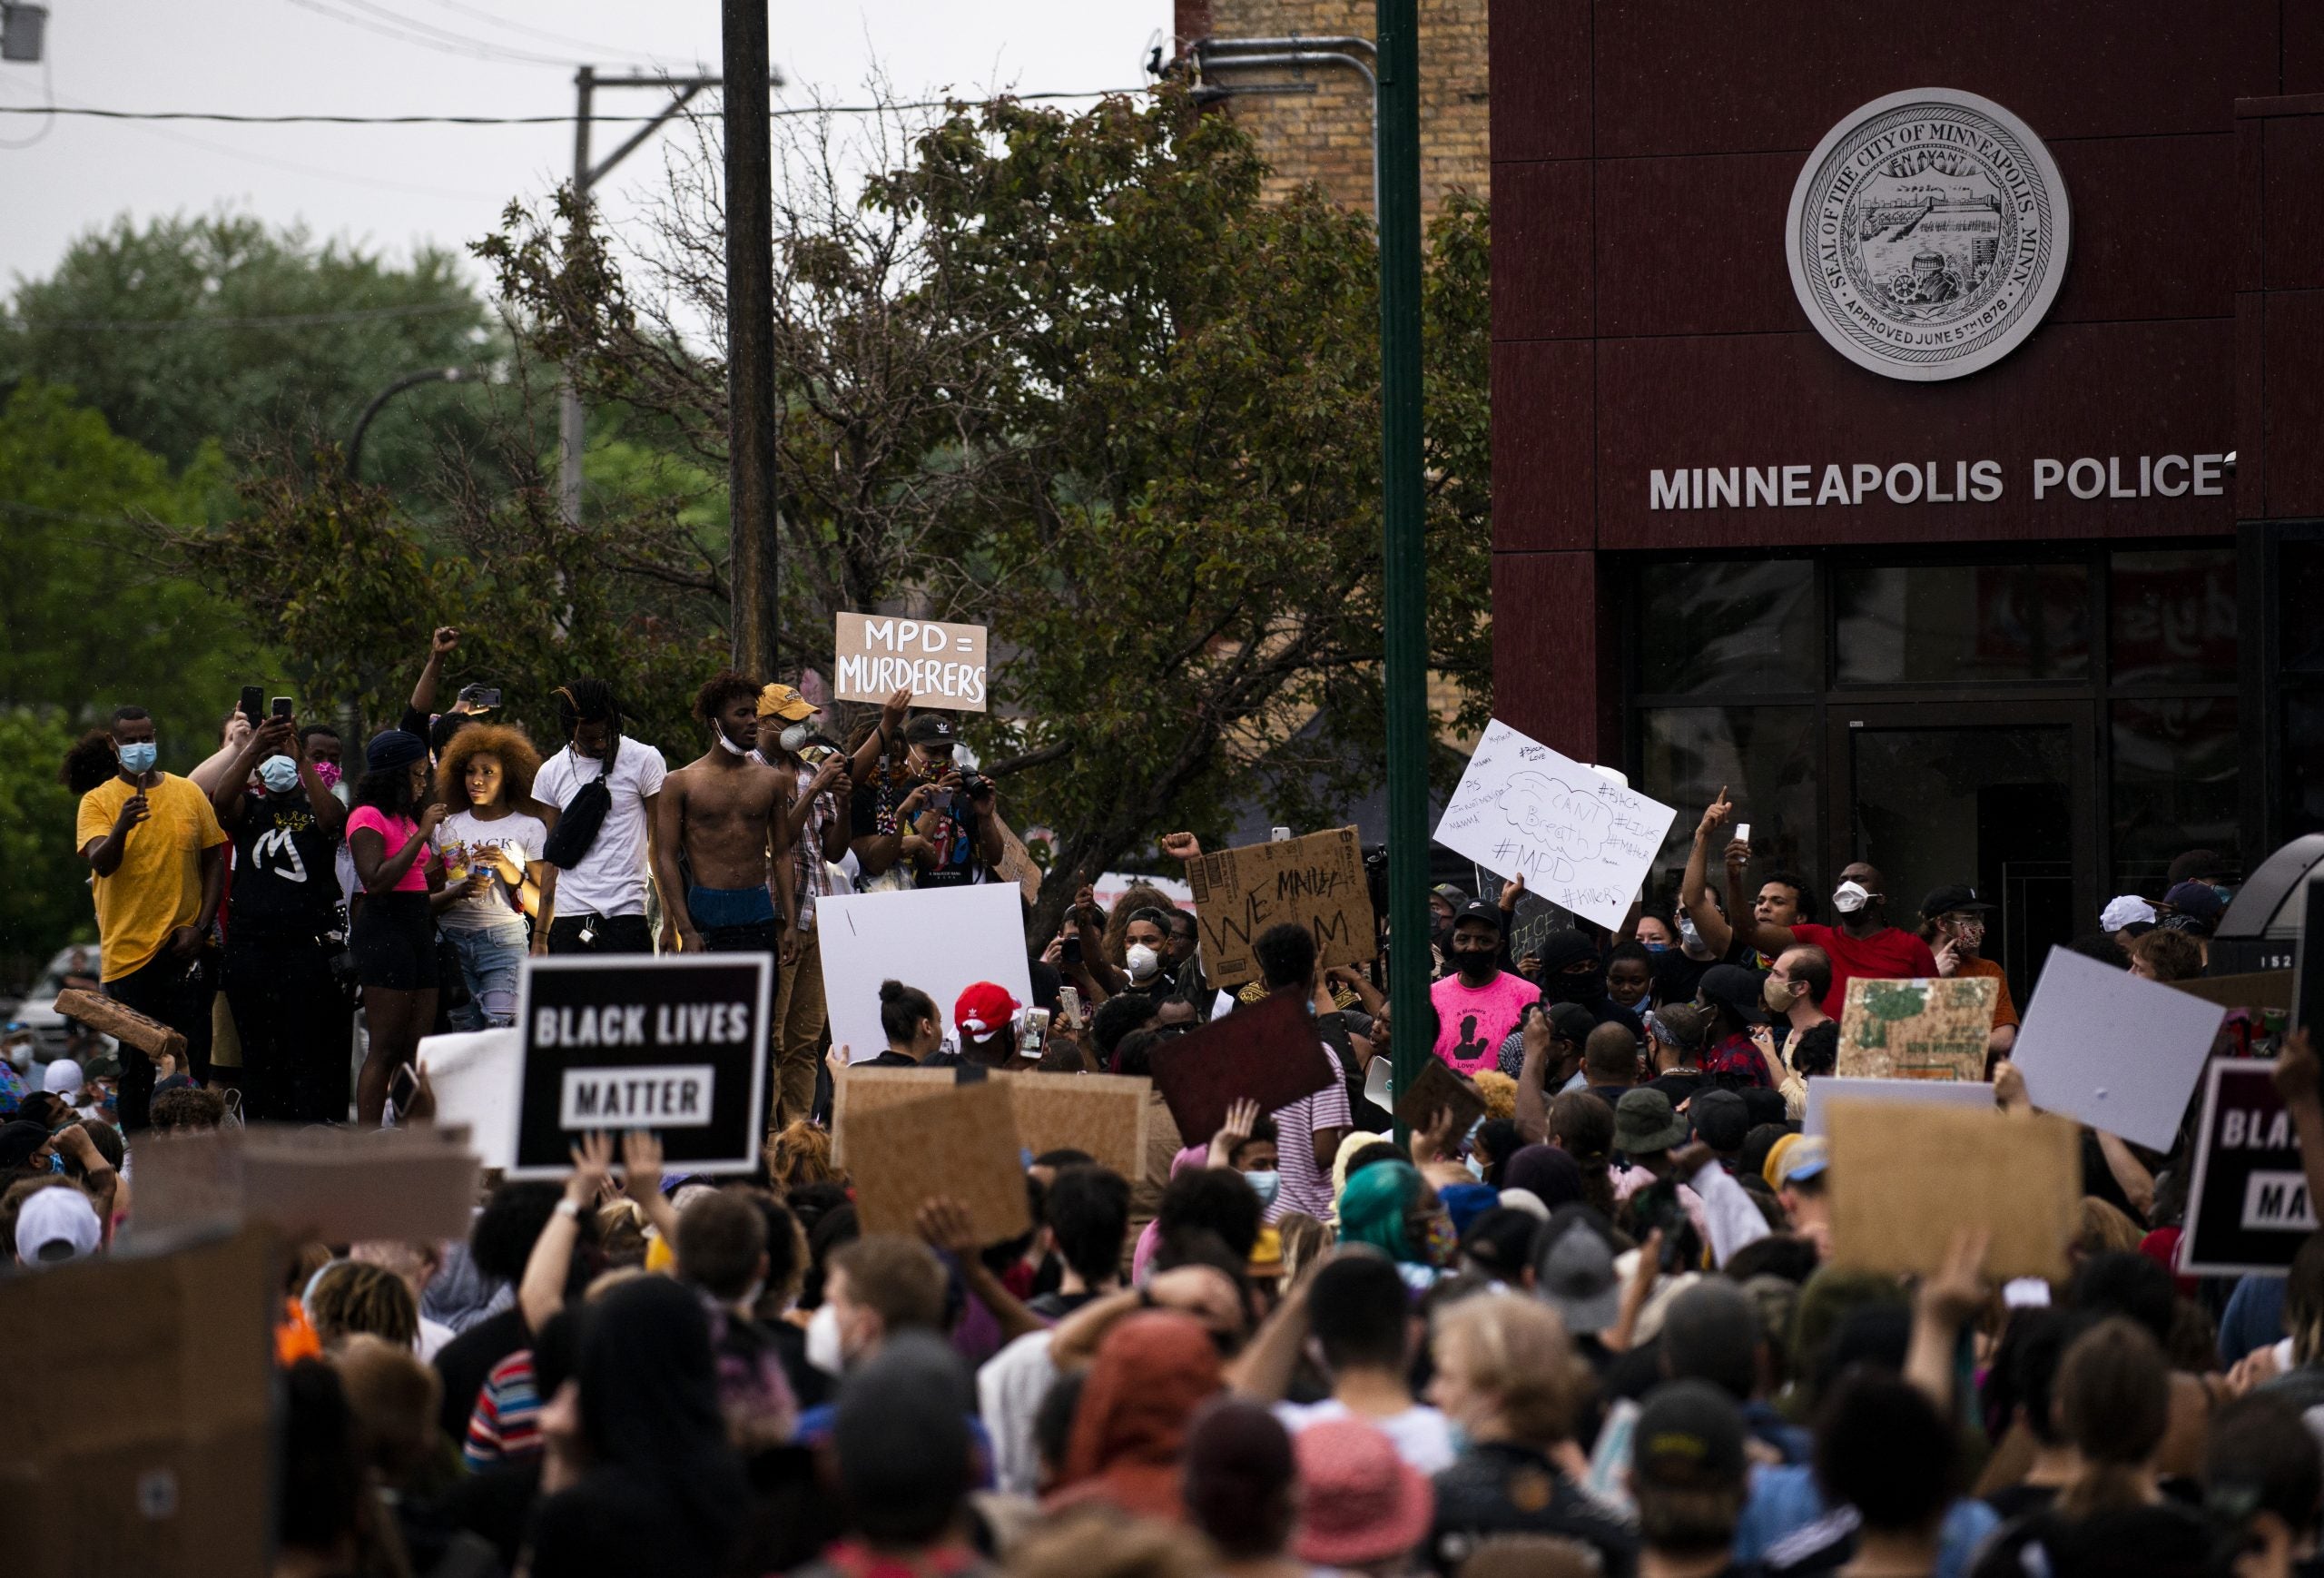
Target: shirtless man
{"points": [[727, 811]]}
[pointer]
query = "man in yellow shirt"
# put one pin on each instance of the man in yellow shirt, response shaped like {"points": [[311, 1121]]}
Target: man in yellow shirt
{"points": [[155, 850]]}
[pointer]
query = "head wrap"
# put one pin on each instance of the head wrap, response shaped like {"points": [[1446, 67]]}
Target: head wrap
{"points": [[1374, 1206]]}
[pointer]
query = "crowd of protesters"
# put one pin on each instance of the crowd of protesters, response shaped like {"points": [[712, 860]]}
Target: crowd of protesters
{"points": [[1599, 1331]]}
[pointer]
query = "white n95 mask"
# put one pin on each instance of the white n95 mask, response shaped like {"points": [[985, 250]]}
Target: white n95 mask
{"points": [[1850, 897]]}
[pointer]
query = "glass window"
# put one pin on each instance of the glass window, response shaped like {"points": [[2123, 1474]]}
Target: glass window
{"points": [[2303, 761], [2173, 618], [2177, 785], [1764, 757], [2299, 591], [1744, 626], [1961, 624]]}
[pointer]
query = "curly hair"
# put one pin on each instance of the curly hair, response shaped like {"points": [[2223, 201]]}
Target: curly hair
{"points": [[802, 1155], [719, 689], [519, 761], [352, 1296], [89, 761]]}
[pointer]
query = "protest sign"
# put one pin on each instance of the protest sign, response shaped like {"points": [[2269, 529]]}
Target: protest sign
{"points": [[1823, 1092], [1436, 1089], [2247, 1210], [1917, 1030], [122, 1023], [336, 1185], [874, 655], [1102, 1114], [942, 941], [1267, 1053], [1316, 881], [1905, 1180], [150, 1449], [478, 1076], [1578, 839], [2259, 989], [2115, 1050], [676, 1044], [960, 1143], [1016, 863]]}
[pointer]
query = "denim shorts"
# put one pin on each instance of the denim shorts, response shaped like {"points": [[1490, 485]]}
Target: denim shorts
{"points": [[490, 959]]}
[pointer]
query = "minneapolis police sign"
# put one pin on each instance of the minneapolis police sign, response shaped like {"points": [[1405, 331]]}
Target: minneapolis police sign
{"points": [[676, 1044]]}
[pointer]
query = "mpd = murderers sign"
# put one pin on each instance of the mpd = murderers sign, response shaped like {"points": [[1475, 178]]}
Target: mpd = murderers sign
{"points": [[676, 1044], [2247, 1210], [874, 655]]}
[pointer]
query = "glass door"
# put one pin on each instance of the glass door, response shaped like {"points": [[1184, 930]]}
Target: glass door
{"points": [[1997, 795]]}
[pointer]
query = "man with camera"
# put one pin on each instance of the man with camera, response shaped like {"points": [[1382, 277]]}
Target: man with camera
{"points": [[925, 810]]}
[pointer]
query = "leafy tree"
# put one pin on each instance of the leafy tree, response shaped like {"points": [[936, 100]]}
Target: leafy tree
{"points": [[48, 893]]}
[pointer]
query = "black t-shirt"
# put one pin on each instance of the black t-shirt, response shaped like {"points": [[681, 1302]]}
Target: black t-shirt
{"points": [[1675, 976], [893, 1059], [467, 1359], [284, 879]]}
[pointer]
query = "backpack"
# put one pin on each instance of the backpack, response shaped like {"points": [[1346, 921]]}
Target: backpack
{"points": [[579, 820]]}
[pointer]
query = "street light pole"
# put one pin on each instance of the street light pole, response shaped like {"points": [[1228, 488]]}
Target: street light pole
{"points": [[1404, 569], [751, 413], [363, 422]]}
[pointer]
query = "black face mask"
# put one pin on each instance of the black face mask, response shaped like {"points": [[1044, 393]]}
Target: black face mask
{"points": [[1476, 967]]}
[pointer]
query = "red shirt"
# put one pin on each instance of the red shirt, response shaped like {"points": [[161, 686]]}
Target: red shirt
{"points": [[1888, 954]]}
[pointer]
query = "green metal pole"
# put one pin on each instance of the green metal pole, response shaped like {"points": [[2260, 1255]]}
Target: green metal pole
{"points": [[1396, 142]]}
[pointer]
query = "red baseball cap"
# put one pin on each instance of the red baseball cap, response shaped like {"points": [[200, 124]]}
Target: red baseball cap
{"points": [[982, 1010]]}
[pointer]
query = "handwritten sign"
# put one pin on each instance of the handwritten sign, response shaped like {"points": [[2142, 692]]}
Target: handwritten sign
{"points": [[876, 655], [1316, 881], [1578, 839], [1917, 1030]]}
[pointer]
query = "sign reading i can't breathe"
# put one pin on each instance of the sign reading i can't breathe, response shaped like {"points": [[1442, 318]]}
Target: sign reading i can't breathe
{"points": [[873, 655], [675, 1045], [2247, 1210]]}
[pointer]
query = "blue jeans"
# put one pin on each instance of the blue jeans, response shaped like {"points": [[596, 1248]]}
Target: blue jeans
{"points": [[490, 960]]}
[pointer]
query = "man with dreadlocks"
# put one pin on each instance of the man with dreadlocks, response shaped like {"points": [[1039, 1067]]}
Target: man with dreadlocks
{"points": [[601, 891], [726, 812]]}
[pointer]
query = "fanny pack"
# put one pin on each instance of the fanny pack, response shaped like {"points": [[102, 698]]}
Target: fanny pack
{"points": [[579, 821]]}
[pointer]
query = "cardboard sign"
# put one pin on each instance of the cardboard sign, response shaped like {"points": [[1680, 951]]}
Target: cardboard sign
{"points": [[122, 1023], [942, 941], [1266, 1053], [876, 655], [479, 1078], [2248, 1209], [1437, 1088], [1905, 1180], [158, 1456], [337, 1185], [1102, 1114], [676, 1044], [1316, 881], [2259, 989], [1822, 1092], [961, 1143], [1016, 863], [1580, 840], [2118, 1053], [1917, 1030]]}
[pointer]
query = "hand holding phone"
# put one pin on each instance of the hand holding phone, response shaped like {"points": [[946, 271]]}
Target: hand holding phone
{"points": [[253, 698], [281, 706]]}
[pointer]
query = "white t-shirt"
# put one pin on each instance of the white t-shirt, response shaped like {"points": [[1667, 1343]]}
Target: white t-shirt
{"points": [[461, 838], [1421, 1435], [612, 880]]}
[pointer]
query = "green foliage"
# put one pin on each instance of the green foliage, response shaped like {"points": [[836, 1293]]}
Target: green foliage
{"points": [[48, 893], [152, 327], [1890, 1002]]}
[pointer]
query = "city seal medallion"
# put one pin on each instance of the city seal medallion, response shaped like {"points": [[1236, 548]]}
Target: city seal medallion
{"points": [[1927, 234]]}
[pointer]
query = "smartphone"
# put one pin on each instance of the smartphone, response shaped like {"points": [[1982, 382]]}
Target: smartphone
{"points": [[1069, 1005], [1072, 955], [282, 707], [402, 1086], [253, 698], [1032, 1032], [1743, 833], [486, 696]]}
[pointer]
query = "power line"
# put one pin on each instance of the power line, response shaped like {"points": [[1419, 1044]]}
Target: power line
{"points": [[292, 119], [444, 42], [603, 51]]}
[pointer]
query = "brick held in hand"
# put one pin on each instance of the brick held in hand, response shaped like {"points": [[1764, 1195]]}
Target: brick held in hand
{"points": [[122, 1023]]}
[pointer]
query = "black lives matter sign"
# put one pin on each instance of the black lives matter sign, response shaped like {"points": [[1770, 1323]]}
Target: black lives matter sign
{"points": [[2248, 1209], [676, 1044]]}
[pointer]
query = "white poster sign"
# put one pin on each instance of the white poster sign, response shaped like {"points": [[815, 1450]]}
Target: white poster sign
{"points": [[1822, 1091], [476, 1077], [1578, 839], [942, 941], [2116, 1051]]}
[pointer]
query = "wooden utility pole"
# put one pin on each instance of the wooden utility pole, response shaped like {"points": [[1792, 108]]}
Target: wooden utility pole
{"points": [[750, 340]]}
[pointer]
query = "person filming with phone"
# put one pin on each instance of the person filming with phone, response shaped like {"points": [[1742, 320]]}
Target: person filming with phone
{"points": [[923, 810]]}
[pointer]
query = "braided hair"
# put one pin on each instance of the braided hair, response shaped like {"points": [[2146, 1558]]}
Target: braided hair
{"points": [[590, 701]]}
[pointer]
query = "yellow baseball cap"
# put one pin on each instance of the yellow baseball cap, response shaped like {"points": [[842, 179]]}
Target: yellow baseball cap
{"points": [[782, 701]]}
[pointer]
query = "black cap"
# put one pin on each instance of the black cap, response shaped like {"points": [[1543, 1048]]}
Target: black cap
{"points": [[1478, 910], [930, 729], [1946, 901], [1735, 988], [1688, 1436], [1722, 1120]]}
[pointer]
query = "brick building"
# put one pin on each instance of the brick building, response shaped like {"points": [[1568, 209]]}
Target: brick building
{"points": [[1325, 136]]}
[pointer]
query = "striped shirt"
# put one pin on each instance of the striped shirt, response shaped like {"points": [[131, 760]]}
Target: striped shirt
{"points": [[506, 1421], [1304, 1187]]}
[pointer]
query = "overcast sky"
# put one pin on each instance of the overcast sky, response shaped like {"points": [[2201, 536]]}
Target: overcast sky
{"points": [[390, 187]]}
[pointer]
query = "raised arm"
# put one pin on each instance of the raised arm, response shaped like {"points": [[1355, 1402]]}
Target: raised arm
{"points": [[1694, 887], [441, 645], [207, 777], [892, 722]]}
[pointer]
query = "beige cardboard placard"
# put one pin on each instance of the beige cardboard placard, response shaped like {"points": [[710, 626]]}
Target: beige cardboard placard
{"points": [[2259, 989], [153, 1456], [122, 1023], [338, 1185], [876, 655], [1103, 1114], [1917, 1030], [1316, 880], [1904, 1178], [960, 1143], [1016, 863]]}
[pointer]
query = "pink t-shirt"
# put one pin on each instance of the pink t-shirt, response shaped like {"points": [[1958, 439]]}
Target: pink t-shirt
{"points": [[395, 831], [1472, 1021]]}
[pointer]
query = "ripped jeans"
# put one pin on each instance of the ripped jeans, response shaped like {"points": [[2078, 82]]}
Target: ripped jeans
{"points": [[490, 959]]}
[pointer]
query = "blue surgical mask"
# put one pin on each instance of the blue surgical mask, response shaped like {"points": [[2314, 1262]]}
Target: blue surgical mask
{"points": [[138, 759], [1264, 1185], [279, 773]]}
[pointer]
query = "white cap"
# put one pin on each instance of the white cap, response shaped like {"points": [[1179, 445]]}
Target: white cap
{"points": [[62, 1079], [56, 1223], [2129, 910]]}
